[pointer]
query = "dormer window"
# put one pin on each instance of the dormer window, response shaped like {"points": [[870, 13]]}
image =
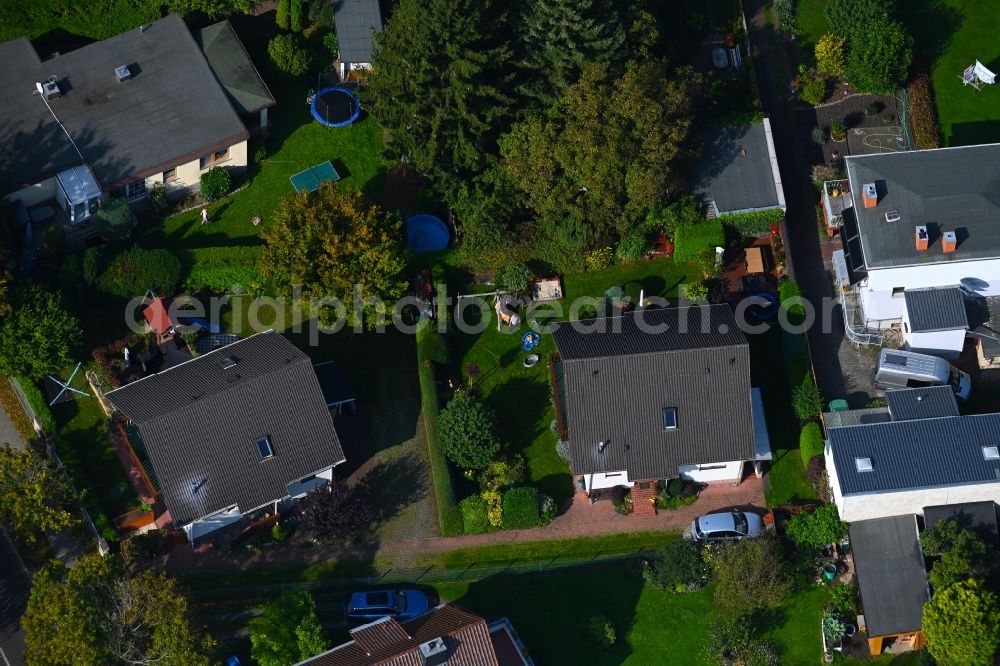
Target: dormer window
{"points": [[670, 418], [264, 448], [863, 464]]}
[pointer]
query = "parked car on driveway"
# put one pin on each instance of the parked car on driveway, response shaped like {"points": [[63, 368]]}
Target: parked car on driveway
{"points": [[727, 526], [401, 604]]}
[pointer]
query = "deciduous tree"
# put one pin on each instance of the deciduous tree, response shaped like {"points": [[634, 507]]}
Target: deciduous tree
{"points": [[33, 495], [441, 70], [287, 631], [330, 241], [829, 53], [558, 38], [962, 555], [962, 624], [817, 529], [878, 48], [97, 614], [467, 432], [748, 578], [38, 335], [592, 167], [335, 511]]}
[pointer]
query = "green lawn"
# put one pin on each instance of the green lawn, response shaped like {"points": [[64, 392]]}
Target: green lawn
{"points": [[950, 35], [810, 24]]}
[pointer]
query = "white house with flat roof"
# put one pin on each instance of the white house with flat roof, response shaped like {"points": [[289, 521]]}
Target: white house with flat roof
{"points": [[921, 234]]}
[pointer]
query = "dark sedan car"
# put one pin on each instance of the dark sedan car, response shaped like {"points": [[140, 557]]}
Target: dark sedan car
{"points": [[402, 604]]}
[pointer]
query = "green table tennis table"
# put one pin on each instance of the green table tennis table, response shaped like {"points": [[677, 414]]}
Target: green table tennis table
{"points": [[309, 180]]}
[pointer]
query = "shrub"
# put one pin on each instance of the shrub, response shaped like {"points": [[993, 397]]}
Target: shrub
{"points": [[91, 265], [215, 184], [810, 443], [829, 53], [696, 291], [813, 91], [833, 627], [816, 471], [563, 451], [962, 624], [872, 109], [260, 154], [321, 14], [39, 405], [602, 632], [514, 278], [677, 567], [823, 172], [115, 219], [632, 248], [697, 243], [331, 43], [807, 400], [615, 298], [754, 222], [157, 196], [785, 10], [278, 533], [818, 136], [685, 212], [500, 474], [219, 269], [295, 16], [817, 529], [474, 515], [288, 55], [547, 508], [134, 271], [599, 259], [844, 599], [923, 114], [466, 430], [837, 129], [494, 507], [734, 643], [281, 15], [521, 509], [145, 546]]}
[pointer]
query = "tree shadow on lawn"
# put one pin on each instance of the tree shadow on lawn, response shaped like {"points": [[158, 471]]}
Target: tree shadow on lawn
{"points": [[932, 24], [392, 485]]}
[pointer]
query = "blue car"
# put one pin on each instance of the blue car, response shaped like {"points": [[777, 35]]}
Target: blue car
{"points": [[401, 604]]}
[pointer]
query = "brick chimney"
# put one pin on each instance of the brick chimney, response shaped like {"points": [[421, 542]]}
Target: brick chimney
{"points": [[949, 241], [921, 237], [869, 195]]}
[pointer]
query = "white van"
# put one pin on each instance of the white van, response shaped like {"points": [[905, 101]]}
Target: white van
{"points": [[898, 369]]}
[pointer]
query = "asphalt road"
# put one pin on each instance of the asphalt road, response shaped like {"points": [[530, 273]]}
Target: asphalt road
{"points": [[14, 587]]}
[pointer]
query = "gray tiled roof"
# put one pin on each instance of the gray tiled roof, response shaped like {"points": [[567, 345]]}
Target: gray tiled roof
{"points": [[940, 309], [618, 384], [356, 22], [733, 180], [232, 66], [200, 423], [922, 403], [172, 110], [891, 575], [923, 453], [947, 189]]}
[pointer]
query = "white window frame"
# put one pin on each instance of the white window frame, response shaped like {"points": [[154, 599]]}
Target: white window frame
{"points": [[135, 191]]}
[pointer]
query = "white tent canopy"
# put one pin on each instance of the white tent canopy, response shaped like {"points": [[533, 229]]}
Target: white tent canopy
{"points": [[977, 74]]}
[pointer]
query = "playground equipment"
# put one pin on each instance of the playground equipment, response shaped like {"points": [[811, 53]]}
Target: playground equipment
{"points": [[976, 75], [55, 385], [335, 106]]}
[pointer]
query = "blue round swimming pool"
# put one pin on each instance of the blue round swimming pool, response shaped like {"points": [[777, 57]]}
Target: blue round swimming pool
{"points": [[426, 233]]}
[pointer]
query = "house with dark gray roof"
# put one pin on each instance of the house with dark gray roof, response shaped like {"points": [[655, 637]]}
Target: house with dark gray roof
{"points": [[442, 635], [356, 22], [738, 170], [925, 221], [892, 581], [145, 107], [656, 394], [925, 453], [226, 437]]}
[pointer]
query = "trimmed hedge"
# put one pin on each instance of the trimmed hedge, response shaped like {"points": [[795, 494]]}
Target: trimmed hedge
{"points": [[449, 515], [134, 271], [810, 442], [39, 405], [474, 515], [694, 242], [787, 290], [754, 222], [923, 114], [521, 509], [219, 269]]}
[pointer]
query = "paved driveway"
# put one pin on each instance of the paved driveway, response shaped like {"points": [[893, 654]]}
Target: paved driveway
{"points": [[14, 587]]}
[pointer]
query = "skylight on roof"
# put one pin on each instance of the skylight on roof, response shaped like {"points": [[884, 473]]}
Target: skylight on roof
{"points": [[863, 464], [670, 418], [991, 453], [265, 448]]}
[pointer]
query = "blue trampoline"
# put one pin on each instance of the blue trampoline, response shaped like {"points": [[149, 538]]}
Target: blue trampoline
{"points": [[336, 106], [426, 233], [763, 306]]}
